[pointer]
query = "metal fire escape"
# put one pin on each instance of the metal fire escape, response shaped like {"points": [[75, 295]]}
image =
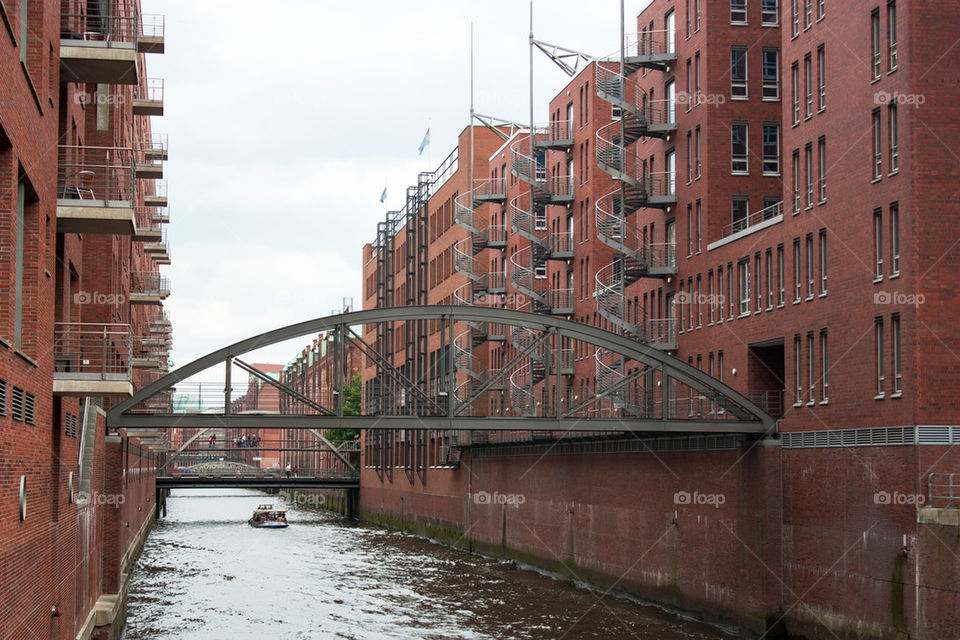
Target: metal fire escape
{"points": [[635, 255]]}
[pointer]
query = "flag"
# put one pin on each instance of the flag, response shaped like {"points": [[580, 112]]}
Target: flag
{"points": [[426, 141], [383, 196]]}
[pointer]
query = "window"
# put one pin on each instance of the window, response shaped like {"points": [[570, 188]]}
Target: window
{"points": [[811, 380], [797, 370], [739, 159], [769, 265], [894, 135], [733, 304], [696, 77], [689, 14], [897, 374], [823, 262], [699, 227], [780, 276], [671, 177], [690, 290], [758, 282], [19, 258], [771, 149], [670, 96], [878, 243], [824, 369], [738, 11], [821, 78], [720, 298], [808, 85], [892, 36], [697, 13], [740, 210], [713, 304], [699, 302], [877, 151], [769, 13], [894, 239], [690, 91], [878, 339], [689, 157], [795, 85], [24, 31], [671, 32], [808, 165], [743, 270], [807, 13], [797, 280], [822, 161], [697, 132], [809, 266], [796, 181], [689, 230], [738, 73], [820, 4], [771, 74], [795, 11], [875, 42]]}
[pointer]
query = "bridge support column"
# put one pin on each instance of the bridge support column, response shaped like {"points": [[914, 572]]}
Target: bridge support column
{"points": [[161, 501], [353, 503]]}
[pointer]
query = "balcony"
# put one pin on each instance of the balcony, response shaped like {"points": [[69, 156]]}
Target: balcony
{"points": [[147, 166], [161, 323], [151, 33], [147, 229], [650, 49], [553, 135], [159, 249], [149, 287], [95, 190], [489, 190], [92, 359], [157, 196], [148, 98], [98, 48], [662, 333], [751, 223], [770, 400], [156, 149], [149, 353], [560, 301]]}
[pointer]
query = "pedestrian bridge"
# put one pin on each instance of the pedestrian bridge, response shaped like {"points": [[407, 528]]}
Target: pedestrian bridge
{"points": [[237, 474], [429, 393]]}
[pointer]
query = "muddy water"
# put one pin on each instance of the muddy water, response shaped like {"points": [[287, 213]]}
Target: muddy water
{"points": [[204, 573]]}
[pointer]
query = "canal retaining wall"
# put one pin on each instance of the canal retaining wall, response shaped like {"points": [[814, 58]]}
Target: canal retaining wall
{"points": [[789, 542]]}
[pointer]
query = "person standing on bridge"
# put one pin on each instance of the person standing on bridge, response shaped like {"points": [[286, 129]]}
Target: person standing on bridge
{"points": [[213, 440], [288, 469]]}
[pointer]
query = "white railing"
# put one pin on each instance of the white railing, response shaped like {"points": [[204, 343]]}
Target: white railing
{"points": [[752, 219], [95, 175], [92, 350]]}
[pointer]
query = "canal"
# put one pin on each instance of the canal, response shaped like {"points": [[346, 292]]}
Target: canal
{"points": [[205, 574]]}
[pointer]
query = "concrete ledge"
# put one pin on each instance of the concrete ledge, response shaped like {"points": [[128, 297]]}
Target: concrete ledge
{"points": [[110, 220], [942, 517], [94, 62], [80, 388]]}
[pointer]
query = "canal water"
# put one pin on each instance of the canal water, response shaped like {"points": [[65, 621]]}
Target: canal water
{"points": [[205, 574]]}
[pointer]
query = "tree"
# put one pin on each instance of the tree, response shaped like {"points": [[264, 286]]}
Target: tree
{"points": [[351, 407]]}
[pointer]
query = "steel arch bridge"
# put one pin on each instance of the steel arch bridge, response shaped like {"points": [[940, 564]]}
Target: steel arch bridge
{"points": [[645, 390]]}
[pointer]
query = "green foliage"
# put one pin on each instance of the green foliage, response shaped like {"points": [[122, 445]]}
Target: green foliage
{"points": [[351, 407]]}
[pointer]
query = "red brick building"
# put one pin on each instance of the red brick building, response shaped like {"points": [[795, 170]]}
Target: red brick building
{"points": [[750, 191], [81, 320]]}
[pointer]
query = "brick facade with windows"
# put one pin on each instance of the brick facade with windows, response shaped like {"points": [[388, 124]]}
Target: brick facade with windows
{"points": [[79, 165], [814, 233]]}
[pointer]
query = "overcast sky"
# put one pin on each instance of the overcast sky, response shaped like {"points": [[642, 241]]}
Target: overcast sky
{"points": [[286, 120]]}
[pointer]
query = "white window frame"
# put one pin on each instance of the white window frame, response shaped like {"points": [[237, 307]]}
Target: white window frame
{"points": [[770, 90], [770, 17], [738, 12], [743, 280], [771, 165], [739, 89], [740, 164]]}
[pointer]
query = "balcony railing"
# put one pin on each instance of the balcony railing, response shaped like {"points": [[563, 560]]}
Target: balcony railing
{"points": [[150, 38], [148, 97], [97, 48], [560, 301], [662, 332], [489, 190], [148, 284], [943, 491], [155, 195], [771, 212], [770, 400], [92, 176], [92, 351], [147, 228], [557, 134]]}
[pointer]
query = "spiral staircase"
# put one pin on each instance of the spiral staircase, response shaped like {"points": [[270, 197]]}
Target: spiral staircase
{"points": [[634, 256]]}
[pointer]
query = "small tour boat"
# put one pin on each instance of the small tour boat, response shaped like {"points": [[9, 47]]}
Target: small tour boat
{"points": [[265, 516]]}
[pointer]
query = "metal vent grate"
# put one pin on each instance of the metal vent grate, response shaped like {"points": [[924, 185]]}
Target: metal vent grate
{"points": [[29, 408], [877, 437], [3, 397], [70, 425], [16, 404]]}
